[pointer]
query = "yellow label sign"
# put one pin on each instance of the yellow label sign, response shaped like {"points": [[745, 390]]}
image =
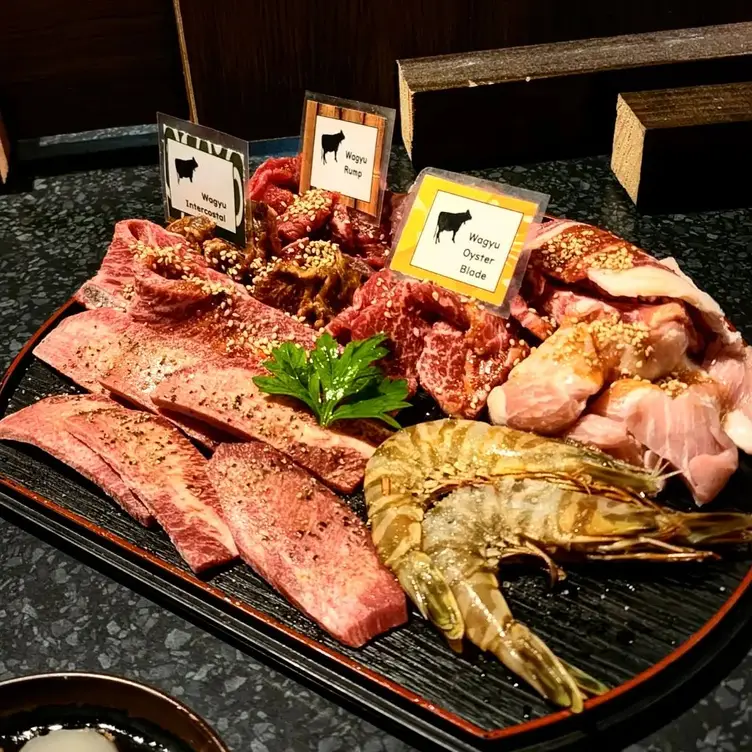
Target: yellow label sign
{"points": [[464, 237]]}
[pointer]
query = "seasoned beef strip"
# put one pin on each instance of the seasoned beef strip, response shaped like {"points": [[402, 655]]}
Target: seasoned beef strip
{"points": [[85, 346], [305, 542], [168, 475], [40, 425], [225, 396]]}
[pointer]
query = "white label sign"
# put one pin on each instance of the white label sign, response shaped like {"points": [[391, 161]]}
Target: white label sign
{"points": [[202, 183], [343, 157], [204, 172], [467, 240]]}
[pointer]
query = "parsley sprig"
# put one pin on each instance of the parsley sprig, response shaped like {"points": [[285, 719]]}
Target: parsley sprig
{"points": [[336, 385]]}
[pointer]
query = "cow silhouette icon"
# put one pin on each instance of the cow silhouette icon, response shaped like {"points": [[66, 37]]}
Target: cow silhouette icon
{"points": [[185, 168], [450, 222], [330, 143]]}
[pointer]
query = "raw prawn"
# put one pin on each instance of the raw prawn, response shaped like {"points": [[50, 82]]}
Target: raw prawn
{"points": [[565, 499]]}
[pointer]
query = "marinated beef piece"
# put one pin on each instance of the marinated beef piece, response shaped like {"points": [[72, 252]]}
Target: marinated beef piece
{"points": [[196, 230], [225, 396], [242, 265], [305, 542], [225, 257], [164, 470], [266, 243], [41, 425], [313, 280], [307, 215]]}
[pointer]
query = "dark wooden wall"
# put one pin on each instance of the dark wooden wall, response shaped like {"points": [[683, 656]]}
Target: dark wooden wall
{"points": [[251, 60], [72, 65], [77, 65]]}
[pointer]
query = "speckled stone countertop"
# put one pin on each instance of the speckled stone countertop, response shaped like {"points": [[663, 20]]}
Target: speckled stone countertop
{"points": [[57, 614]]}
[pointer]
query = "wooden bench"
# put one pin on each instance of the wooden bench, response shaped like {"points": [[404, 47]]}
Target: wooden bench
{"points": [[551, 100]]}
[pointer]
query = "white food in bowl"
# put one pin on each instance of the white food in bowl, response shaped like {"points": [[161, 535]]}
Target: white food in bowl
{"points": [[69, 740]]}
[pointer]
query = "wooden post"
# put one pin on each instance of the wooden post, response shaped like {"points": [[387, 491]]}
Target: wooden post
{"points": [[685, 149], [4, 153]]}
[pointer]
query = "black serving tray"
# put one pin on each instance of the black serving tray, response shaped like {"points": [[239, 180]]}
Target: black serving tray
{"points": [[653, 632]]}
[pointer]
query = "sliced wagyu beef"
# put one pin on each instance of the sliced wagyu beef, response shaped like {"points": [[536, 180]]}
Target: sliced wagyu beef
{"points": [[41, 424], [225, 396], [305, 542], [141, 460], [85, 346]]}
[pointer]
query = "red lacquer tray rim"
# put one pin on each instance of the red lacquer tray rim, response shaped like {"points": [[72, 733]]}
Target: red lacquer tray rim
{"points": [[377, 680]]}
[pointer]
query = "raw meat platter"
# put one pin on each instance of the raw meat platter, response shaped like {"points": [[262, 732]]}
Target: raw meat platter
{"points": [[482, 533]]}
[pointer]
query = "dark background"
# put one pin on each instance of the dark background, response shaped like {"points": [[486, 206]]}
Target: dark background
{"points": [[81, 65]]}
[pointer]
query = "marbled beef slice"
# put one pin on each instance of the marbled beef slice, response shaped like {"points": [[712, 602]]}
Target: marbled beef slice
{"points": [[40, 425], [225, 396], [167, 473], [306, 543]]}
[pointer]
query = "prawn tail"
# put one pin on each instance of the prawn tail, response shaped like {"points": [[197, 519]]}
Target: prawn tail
{"points": [[430, 592]]}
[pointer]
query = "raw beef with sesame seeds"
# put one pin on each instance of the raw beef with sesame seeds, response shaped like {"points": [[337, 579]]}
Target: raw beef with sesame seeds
{"points": [[307, 215], [40, 424], [167, 473], [576, 253], [225, 396], [95, 350], [280, 199], [280, 171], [112, 285], [455, 349], [306, 543]]}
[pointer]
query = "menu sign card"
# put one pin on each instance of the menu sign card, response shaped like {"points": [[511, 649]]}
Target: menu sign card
{"points": [[345, 148], [467, 235], [204, 172]]}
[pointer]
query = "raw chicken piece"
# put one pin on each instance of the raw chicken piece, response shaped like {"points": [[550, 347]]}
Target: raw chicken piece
{"points": [[597, 344], [680, 421], [548, 391], [733, 374]]}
